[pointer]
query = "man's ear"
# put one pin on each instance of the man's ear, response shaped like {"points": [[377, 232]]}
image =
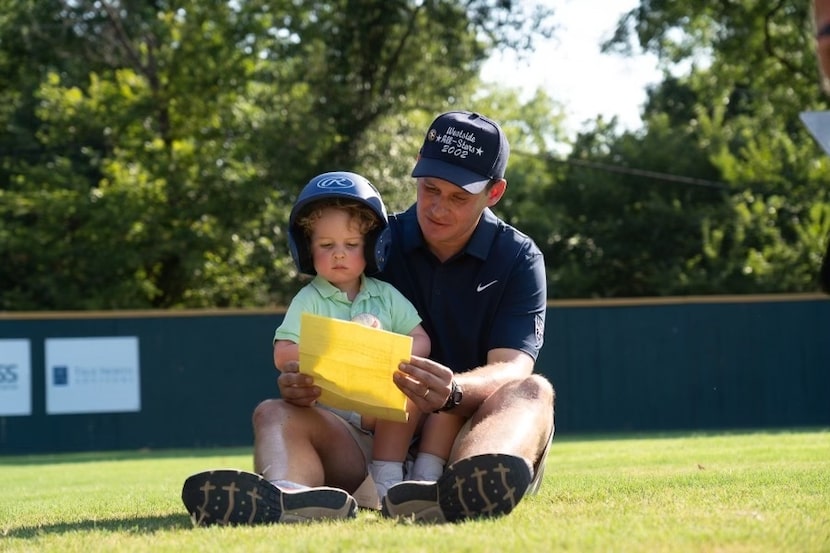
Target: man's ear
{"points": [[496, 192]]}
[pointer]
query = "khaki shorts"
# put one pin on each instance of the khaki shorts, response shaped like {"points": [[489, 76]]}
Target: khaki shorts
{"points": [[363, 438]]}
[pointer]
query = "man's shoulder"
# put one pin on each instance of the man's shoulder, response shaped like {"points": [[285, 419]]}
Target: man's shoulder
{"points": [[404, 229], [510, 238], [404, 218]]}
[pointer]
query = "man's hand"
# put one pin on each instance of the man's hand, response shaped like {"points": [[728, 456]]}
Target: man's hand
{"points": [[295, 388], [426, 383]]}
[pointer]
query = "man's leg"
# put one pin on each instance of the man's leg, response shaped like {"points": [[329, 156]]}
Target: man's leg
{"points": [[492, 464], [297, 452], [516, 420], [306, 445]]}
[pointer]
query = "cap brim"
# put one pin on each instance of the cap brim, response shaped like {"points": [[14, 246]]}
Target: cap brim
{"points": [[468, 180]]}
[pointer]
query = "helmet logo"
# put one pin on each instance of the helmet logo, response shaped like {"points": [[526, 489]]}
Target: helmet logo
{"points": [[335, 182]]}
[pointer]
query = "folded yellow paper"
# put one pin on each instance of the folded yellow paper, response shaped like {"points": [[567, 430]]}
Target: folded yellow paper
{"points": [[353, 365]]}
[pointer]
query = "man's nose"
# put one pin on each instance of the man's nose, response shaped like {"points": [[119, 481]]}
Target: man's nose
{"points": [[438, 207]]}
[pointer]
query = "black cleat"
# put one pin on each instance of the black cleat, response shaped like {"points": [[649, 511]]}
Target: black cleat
{"points": [[476, 487], [231, 497]]}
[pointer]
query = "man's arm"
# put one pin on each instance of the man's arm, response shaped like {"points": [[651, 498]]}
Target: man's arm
{"points": [[422, 374], [503, 365]]}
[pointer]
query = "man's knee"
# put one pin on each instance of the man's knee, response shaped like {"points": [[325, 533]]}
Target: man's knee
{"points": [[267, 412], [535, 388], [537, 396], [533, 395]]}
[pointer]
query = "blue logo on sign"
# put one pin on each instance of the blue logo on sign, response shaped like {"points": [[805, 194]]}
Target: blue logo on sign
{"points": [[60, 375]]}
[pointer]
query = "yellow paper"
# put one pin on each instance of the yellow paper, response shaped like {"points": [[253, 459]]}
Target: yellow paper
{"points": [[353, 365]]}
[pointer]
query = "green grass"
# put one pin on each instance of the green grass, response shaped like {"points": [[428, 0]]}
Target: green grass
{"points": [[743, 492]]}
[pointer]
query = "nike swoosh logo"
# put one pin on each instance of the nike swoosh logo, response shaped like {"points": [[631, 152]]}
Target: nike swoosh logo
{"points": [[481, 287]]}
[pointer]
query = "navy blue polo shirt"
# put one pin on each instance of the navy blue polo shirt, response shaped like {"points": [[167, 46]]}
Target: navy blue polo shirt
{"points": [[493, 294]]}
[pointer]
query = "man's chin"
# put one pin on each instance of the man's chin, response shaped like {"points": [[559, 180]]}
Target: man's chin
{"points": [[434, 231]]}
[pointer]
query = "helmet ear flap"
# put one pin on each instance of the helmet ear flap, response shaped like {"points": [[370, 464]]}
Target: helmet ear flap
{"points": [[298, 246], [378, 246]]}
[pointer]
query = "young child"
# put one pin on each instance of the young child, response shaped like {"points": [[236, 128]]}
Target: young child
{"points": [[338, 232]]}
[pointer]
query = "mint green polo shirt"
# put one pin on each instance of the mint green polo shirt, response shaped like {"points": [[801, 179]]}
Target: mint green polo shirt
{"points": [[320, 297]]}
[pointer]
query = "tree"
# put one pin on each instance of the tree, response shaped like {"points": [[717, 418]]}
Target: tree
{"points": [[751, 69], [155, 148]]}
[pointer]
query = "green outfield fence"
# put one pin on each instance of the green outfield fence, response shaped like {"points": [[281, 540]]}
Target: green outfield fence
{"points": [[79, 381]]}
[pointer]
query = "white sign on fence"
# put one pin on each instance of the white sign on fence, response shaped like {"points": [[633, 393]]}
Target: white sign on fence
{"points": [[15, 378], [92, 375]]}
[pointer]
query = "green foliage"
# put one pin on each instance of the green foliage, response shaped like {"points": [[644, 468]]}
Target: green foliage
{"points": [[154, 150], [151, 151], [629, 210], [732, 120]]}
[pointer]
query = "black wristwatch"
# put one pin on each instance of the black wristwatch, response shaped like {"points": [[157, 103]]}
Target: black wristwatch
{"points": [[454, 399]]}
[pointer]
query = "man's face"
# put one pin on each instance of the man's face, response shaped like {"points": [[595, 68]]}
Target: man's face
{"points": [[448, 214]]}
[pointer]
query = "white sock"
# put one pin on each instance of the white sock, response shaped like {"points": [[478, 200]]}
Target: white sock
{"points": [[428, 467], [288, 485], [386, 474]]}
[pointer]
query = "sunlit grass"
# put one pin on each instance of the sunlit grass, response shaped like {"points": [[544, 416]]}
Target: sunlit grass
{"points": [[765, 491]]}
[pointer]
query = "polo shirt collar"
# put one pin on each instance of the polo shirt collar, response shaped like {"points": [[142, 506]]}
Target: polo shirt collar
{"points": [[411, 237], [483, 235], [325, 288], [368, 287]]}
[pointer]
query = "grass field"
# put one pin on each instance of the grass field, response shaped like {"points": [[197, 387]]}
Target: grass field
{"points": [[742, 492]]}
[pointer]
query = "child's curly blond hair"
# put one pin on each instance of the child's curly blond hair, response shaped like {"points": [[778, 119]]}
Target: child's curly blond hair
{"points": [[359, 214]]}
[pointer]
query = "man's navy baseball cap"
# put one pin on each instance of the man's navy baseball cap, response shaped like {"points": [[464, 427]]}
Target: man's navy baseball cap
{"points": [[464, 148]]}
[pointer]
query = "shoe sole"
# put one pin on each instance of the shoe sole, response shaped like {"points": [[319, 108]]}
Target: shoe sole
{"points": [[476, 487], [232, 497]]}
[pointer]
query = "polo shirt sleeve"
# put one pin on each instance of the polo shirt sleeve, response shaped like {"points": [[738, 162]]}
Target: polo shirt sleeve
{"points": [[289, 329], [404, 315], [519, 322]]}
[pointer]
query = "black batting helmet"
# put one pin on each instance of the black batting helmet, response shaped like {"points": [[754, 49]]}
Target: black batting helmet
{"points": [[344, 185]]}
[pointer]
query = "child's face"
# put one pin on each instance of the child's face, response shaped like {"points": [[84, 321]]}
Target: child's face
{"points": [[337, 249]]}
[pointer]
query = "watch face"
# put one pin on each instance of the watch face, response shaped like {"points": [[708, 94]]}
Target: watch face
{"points": [[453, 400], [456, 394]]}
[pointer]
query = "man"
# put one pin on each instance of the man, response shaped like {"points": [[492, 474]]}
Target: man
{"points": [[821, 17], [480, 287]]}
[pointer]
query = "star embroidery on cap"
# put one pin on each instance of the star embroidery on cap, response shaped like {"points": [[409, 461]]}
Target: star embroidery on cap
{"points": [[479, 151]]}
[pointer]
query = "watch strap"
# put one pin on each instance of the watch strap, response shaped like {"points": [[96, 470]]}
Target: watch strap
{"points": [[453, 400]]}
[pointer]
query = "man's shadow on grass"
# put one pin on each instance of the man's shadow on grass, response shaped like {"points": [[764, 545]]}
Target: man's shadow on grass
{"points": [[131, 525]]}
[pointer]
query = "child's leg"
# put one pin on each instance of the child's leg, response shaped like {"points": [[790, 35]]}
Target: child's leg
{"points": [[389, 449], [440, 430]]}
